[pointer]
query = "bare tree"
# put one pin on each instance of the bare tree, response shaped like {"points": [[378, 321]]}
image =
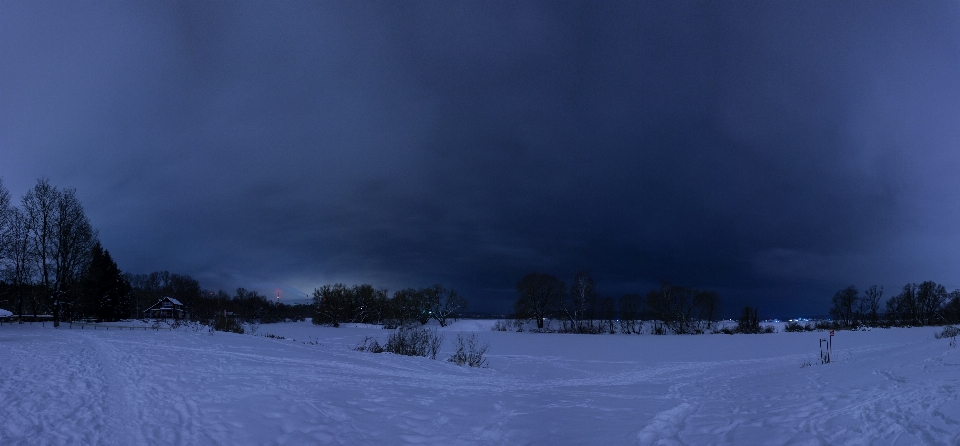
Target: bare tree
{"points": [[403, 307], [931, 297], [672, 306], [845, 302], [749, 322], [4, 218], [539, 297], [606, 312], [631, 306], [331, 304], [902, 309], [870, 304], [40, 204], [708, 303], [446, 303], [73, 242], [18, 267], [579, 304]]}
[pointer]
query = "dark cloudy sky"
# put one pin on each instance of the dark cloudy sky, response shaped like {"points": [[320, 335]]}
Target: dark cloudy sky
{"points": [[774, 151]]}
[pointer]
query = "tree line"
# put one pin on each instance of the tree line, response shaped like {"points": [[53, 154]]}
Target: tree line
{"points": [[337, 303], [579, 308], [927, 303], [213, 308], [50, 255], [52, 264]]}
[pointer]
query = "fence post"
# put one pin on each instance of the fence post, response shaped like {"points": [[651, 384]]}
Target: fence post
{"points": [[830, 346]]}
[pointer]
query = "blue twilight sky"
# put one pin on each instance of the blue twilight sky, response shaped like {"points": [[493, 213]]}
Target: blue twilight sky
{"points": [[773, 151]]}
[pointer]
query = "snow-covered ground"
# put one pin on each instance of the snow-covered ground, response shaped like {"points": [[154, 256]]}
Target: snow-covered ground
{"points": [[129, 387]]}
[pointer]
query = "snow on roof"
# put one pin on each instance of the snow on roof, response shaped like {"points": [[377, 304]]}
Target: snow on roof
{"points": [[5, 313], [175, 302]]}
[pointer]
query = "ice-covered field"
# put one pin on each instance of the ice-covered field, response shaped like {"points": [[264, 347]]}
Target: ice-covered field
{"points": [[85, 387]]}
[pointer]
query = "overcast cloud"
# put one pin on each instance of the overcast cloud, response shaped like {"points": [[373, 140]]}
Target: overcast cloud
{"points": [[774, 151]]}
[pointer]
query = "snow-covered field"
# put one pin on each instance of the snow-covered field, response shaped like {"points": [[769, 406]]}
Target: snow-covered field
{"points": [[86, 387]]}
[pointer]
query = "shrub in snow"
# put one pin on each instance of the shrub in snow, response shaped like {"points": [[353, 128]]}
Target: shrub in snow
{"points": [[793, 326], [518, 324], [369, 344], [825, 325], [748, 322], [414, 341], [631, 326], [949, 332], [407, 341], [228, 324], [500, 326], [469, 351]]}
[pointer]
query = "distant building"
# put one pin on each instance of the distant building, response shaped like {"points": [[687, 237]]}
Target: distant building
{"points": [[166, 308]]}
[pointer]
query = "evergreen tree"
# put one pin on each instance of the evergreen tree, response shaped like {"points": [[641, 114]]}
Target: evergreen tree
{"points": [[107, 291]]}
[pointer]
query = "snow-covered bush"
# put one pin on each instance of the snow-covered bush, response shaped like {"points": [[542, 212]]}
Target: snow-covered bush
{"points": [[408, 341], [948, 332], [794, 326], [500, 326], [369, 344], [469, 351], [825, 325]]}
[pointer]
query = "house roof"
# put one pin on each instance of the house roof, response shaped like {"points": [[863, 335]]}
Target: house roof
{"points": [[176, 303]]}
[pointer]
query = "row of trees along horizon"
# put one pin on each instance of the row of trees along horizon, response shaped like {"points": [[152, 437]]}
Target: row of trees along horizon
{"points": [[683, 310], [52, 263], [923, 304]]}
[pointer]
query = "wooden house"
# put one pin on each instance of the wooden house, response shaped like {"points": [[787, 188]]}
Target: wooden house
{"points": [[166, 308]]}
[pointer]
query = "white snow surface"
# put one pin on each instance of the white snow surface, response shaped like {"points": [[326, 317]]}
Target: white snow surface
{"points": [[185, 387]]}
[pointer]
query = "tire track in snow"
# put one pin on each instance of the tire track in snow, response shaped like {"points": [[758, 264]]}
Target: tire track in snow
{"points": [[121, 411]]}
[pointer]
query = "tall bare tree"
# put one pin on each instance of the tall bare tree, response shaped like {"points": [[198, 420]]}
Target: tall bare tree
{"points": [[19, 265], [931, 298], [871, 304], [39, 205], [845, 302], [61, 240], [74, 242], [539, 297], [902, 309], [672, 306], [708, 303], [4, 216], [578, 306]]}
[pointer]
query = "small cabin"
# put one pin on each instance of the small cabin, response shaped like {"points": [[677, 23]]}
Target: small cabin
{"points": [[166, 308]]}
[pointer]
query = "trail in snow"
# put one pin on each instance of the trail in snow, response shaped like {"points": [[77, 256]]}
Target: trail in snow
{"points": [[127, 387]]}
